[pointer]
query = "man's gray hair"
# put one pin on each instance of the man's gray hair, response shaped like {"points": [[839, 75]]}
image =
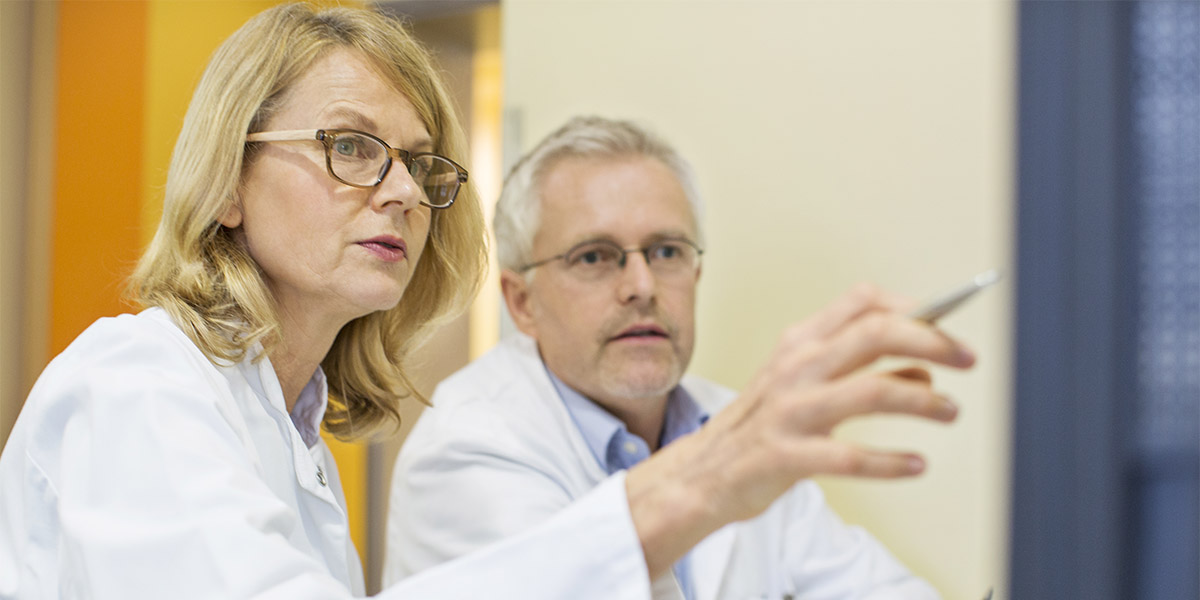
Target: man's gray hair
{"points": [[518, 212]]}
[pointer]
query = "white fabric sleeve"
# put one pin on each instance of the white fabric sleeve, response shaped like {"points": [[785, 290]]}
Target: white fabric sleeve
{"points": [[588, 551], [455, 493]]}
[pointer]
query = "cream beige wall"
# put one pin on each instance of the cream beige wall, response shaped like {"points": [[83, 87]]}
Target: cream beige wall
{"points": [[836, 142]]}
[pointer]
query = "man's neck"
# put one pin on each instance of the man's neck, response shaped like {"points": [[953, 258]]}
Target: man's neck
{"points": [[644, 419]]}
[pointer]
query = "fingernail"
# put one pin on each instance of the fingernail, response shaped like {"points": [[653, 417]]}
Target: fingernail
{"points": [[964, 356], [947, 409], [915, 464]]}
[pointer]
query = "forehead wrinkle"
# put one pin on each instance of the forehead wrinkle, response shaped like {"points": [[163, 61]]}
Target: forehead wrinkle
{"points": [[346, 117]]}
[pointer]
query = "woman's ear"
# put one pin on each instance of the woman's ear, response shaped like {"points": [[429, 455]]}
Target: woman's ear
{"points": [[232, 217]]}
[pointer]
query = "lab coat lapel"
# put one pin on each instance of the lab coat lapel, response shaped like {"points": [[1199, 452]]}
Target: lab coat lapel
{"points": [[666, 587], [529, 361], [710, 558]]}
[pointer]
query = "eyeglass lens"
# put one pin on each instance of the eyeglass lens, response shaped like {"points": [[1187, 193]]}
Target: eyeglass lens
{"points": [[360, 160], [597, 260]]}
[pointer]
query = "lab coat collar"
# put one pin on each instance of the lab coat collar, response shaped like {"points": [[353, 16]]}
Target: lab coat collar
{"points": [[309, 411], [310, 408], [711, 556], [311, 468], [603, 431]]}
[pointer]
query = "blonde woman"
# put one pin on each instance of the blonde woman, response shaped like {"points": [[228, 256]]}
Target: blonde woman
{"points": [[315, 226]]}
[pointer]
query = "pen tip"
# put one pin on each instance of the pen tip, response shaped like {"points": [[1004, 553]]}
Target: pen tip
{"points": [[987, 278]]}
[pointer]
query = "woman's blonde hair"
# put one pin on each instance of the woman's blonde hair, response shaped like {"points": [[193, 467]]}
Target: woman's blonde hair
{"points": [[207, 282]]}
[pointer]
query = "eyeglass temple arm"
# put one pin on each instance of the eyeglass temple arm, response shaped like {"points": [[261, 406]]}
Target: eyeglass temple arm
{"points": [[284, 136]]}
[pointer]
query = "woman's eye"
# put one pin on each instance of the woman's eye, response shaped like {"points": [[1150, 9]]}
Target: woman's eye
{"points": [[345, 147]]}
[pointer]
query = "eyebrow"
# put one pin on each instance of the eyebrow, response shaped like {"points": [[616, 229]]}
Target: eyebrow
{"points": [[653, 238], [354, 119]]}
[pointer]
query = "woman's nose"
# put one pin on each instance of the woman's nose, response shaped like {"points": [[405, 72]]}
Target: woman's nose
{"points": [[397, 187]]}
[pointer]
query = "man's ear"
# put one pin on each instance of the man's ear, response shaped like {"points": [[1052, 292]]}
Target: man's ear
{"points": [[517, 296]]}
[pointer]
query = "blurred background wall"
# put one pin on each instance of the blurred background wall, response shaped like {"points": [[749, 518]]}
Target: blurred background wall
{"points": [[835, 142], [27, 47]]}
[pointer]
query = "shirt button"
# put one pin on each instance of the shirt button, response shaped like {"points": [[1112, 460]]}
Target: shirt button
{"points": [[630, 448], [320, 476]]}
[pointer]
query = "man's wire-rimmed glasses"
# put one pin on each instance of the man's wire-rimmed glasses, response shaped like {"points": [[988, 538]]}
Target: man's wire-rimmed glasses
{"points": [[596, 260], [361, 160]]}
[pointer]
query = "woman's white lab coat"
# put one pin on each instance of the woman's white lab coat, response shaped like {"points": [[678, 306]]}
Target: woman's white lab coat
{"points": [[138, 469]]}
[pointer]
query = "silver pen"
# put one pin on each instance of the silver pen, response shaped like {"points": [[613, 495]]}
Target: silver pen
{"points": [[942, 305]]}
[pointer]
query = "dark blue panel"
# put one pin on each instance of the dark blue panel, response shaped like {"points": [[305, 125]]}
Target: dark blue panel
{"points": [[1166, 549], [1106, 491], [1166, 139], [1070, 489]]}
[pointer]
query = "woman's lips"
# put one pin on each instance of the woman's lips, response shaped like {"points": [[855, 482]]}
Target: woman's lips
{"points": [[387, 248]]}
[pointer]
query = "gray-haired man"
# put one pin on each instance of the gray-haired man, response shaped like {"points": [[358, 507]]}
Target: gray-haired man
{"points": [[598, 236]]}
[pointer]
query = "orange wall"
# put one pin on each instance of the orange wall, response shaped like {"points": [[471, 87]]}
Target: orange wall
{"points": [[98, 158], [180, 38]]}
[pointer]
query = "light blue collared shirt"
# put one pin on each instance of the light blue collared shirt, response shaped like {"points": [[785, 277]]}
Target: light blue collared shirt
{"points": [[615, 448]]}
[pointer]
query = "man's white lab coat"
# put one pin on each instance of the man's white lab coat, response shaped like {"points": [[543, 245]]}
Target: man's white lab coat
{"points": [[139, 470], [498, 453]]}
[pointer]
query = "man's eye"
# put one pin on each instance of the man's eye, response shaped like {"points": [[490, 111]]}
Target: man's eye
{"points": [[594, 256], [666, 252], [591, 258]]}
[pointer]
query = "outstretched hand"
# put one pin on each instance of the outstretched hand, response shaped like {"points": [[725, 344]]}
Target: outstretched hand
{"points": [[778, 431]]}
